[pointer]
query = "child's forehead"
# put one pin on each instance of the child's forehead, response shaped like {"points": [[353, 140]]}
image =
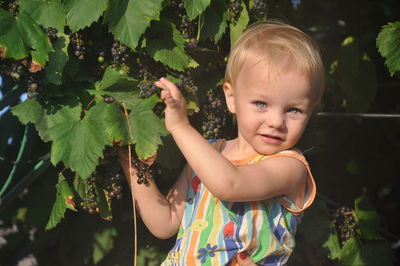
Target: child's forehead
{"points": [[264, 68]]}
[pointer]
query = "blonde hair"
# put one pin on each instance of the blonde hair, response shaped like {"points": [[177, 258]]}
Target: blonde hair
{"points": [[275, 42]]}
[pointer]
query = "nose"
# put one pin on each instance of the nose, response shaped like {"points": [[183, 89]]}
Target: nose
{"points": [[276, 120]]}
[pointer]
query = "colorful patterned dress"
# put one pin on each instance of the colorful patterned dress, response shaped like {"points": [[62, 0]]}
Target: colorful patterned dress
{"points": [[213, 231]]}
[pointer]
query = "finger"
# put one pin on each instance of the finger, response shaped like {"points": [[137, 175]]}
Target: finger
{"points": [[244, 260], [167, 98], [167, 84]]}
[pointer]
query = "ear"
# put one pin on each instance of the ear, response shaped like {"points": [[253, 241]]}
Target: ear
{"points": [[229, 97]]}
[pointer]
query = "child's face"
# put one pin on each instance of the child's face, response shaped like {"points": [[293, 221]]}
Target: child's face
{"points": [[272, 107]]}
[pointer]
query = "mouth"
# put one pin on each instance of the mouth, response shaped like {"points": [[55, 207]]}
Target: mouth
{"points": [[271, 138]]}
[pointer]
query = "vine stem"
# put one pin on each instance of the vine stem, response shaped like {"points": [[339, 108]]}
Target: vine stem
{"points": [[20, 158], [131, 178]]}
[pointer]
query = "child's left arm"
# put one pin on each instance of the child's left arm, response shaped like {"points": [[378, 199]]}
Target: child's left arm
{"points": [[271, 177]]}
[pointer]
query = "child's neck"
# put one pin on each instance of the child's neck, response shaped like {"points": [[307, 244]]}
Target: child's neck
{"points": [[234, 150]]}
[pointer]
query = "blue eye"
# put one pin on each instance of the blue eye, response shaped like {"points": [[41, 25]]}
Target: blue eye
{"points": [[294, 110], [260, 104]]}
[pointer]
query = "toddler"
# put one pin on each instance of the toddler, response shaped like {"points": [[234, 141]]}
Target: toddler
{"points": [[239, 201]]}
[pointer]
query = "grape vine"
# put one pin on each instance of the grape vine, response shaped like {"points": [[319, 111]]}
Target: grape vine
{"points": [[345, 224]]}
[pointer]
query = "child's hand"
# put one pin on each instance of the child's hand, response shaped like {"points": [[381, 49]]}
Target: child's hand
{"points": [[176, 111]]}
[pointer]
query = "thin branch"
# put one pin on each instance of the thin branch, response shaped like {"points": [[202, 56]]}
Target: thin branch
{"points": [[356, 115]]}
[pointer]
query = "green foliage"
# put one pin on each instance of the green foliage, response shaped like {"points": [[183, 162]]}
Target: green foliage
{"points": [[44, 12], [128, 19], [64, 200], [80, 14], [169, 49], [21, 36], [388, 43], [78, 124]]}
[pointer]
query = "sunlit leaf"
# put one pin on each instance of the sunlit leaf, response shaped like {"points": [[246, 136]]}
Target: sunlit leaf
{"points": [[237, 27], [332, 245], [81, 14], [21, 35], [367, 218], [64, 200], [351, 253], [128, 19], [117, 125], [147, 128], [49, 13], [57, 60], [168, 46], [103, 203], [195, 7], [115, 79], [79, 143], [45, 118], [388, 43]]}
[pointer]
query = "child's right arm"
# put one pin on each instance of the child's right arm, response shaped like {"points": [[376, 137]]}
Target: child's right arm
{"points": [[161, 214]]}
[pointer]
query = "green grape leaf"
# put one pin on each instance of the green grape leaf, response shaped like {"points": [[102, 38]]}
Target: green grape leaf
{"points": [[351, 253], [215, 21], [79, 143], [115, 79], [367, 218], [117, 125], [332, 245], [49, 13], [388, 43], [45, 118], [21, 35], [79, 186], [28, 111], [57, 60], [195, 7], [169, 48], [147, 128], [104, 204], [10, 37], [103, 243], [237, 27], [64, 200], [129, 19], [81, 14]]}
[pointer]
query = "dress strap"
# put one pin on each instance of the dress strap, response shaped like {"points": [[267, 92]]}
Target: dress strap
{"points": [[310, 191]]}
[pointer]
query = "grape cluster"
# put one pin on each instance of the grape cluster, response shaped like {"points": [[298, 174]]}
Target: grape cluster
{"points": [[109, 174], [89, 203], [345, 224], [112, 182], [215, 116], [147, 88], [234, 9], [144, 172], [186, 26], [13, 8], [186, 82], [120, 53], [191, 44], [34, 86], [78, 45], [52, 34], [259, 8]]}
